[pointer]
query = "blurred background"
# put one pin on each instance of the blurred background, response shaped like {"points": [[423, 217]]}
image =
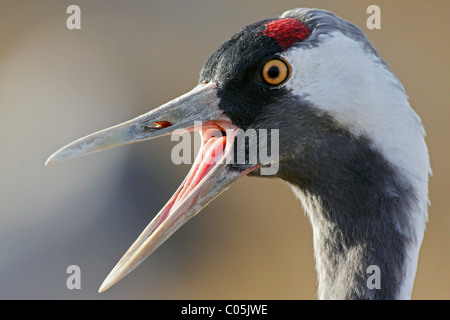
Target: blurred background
{"points": [[254, 241]]}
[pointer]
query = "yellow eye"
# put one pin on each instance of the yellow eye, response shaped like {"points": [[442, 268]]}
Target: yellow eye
{"points": [[276, 72]]}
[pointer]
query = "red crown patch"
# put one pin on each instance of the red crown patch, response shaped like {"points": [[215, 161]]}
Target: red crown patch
{"points": [[286, 31]]}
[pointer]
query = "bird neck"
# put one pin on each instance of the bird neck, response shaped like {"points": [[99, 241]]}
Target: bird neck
{"points": [[365, 245]]}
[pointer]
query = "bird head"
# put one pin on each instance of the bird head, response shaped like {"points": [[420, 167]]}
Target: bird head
{"points": [[308, 78]]}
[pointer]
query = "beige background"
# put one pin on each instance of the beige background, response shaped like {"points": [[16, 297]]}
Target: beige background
{"points": [[254, 242]]}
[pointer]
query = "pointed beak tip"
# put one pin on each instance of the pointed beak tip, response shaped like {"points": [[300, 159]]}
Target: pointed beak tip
{"points": [[55, 158], [108, 283], [102, 289], [105, 286], [52, 160]]}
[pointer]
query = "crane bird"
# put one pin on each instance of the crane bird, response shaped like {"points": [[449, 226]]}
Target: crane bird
{"points": [[349, 145]]}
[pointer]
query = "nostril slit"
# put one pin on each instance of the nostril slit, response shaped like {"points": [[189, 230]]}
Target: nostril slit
{"points": [[158, 125]]}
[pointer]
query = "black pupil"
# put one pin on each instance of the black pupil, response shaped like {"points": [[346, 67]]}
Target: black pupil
{"points": [[273, 72]]}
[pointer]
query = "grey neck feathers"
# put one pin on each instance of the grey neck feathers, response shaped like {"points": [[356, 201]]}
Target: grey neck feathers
{"points": [[359, 210]]}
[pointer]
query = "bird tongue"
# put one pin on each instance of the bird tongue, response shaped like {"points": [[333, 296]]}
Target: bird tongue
{"points": [[210, 154]]}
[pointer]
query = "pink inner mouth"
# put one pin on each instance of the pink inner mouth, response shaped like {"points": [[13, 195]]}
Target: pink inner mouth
{"points": [[211, 153]]}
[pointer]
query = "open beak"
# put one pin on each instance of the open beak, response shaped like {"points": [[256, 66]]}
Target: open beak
{"points": [[208, 177]]}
